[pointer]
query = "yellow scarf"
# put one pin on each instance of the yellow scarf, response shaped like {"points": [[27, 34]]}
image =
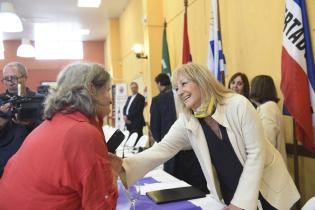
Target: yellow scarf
{"points": [[205, 109]]}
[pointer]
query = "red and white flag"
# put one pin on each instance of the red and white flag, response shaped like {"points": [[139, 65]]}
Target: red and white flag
{"points": [[298, 71], [186, 48]]}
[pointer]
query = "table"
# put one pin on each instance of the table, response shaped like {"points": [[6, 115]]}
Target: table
{"points": [[159, 178]]}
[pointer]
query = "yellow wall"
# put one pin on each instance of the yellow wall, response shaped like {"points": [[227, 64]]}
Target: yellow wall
{"points": [[153, 28], [252, 42], [141, 22], [131, 31], [113, 53]]}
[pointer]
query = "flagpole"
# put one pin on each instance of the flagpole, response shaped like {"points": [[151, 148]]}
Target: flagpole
{"points": [[186, 57], [296, 164], [186, 5], [219, 27]]}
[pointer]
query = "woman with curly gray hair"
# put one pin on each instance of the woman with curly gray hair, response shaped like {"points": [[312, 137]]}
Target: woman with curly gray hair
{"points": [[64, 162]]}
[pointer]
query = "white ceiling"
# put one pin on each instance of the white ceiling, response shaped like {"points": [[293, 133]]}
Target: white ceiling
{"points": [[49, 11]]}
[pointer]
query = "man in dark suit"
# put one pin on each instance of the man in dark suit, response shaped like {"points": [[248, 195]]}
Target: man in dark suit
{"points": [[184, 165], [133, 111], [162, 110]]}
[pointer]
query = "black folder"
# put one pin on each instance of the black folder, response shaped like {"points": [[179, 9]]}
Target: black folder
{"points": [[175, 194]]}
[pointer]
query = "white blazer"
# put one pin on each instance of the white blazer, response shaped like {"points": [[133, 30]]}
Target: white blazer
{"points": [[271, 118], [263, 167]]}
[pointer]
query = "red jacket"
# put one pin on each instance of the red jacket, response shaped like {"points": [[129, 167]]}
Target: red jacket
{"points": [[62, 164]]}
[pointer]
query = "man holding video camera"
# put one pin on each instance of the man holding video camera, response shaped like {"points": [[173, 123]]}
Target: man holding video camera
{"points": [[15, 75], [17, 95]]}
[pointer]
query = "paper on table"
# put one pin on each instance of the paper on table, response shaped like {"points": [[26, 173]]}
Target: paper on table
{"points": [[161, 186], [208, 203], [161, 176]]}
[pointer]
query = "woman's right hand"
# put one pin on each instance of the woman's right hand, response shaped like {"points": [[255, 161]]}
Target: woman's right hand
{"points": [[116, 163]]}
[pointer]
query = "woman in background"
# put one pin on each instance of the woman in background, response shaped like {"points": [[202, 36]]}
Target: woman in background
{"points": [[239, 83], [226, 134], [264, 95], [64, 162]]}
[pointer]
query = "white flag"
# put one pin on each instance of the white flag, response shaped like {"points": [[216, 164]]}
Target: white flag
{"points": [[216, 58]]}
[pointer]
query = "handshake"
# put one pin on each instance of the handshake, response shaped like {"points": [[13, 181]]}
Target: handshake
{"points": [[117, 168]]}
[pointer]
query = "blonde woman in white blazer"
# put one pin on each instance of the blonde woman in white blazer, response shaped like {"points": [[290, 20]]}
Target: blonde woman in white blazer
{"points": [[204, 100], [264, 94]]}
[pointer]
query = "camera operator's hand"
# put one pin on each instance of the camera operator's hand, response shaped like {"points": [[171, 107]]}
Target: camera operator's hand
{"points": [[5, 107], [22, 122]]}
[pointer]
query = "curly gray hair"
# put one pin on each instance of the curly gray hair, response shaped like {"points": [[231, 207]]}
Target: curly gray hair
{"points": [[72, 91]]}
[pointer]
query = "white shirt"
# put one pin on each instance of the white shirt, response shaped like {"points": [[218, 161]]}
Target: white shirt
{"points": [[130, 102]]}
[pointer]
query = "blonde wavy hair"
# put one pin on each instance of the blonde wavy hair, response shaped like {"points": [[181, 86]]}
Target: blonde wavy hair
{"points": [[208, 85]]}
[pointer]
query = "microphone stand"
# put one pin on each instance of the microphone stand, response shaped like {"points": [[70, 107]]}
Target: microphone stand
{"points": [[123, 152]]}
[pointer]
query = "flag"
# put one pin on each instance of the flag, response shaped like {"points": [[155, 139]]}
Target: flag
{"points": [[298, 71], [216, 58], [186, 49], [166, 67]]}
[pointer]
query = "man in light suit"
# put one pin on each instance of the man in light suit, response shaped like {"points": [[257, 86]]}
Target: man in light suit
{"points": [[133, 111], [184, 165]]}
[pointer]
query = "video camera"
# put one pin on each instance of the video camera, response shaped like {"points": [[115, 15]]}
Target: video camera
{"points": [[28, 109]]}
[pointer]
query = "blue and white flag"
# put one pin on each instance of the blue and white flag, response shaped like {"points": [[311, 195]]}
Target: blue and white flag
{"points": [[216, 58]]}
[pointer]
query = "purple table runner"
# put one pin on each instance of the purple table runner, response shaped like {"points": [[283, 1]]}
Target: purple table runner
{"points": [[145, 203]]}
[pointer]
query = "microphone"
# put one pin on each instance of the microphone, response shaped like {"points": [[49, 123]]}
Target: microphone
{"points": [[114, 141], [123, 151]]}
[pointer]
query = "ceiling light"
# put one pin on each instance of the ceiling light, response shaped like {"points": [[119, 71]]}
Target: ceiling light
{"points": [[26, 50], [85, 32], [9, 21], [1, 43], [89, 3], [1, 49], [1, 46], [57, 31]]}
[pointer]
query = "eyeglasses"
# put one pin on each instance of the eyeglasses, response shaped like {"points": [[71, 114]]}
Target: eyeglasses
{"points": [[11, 78]]}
